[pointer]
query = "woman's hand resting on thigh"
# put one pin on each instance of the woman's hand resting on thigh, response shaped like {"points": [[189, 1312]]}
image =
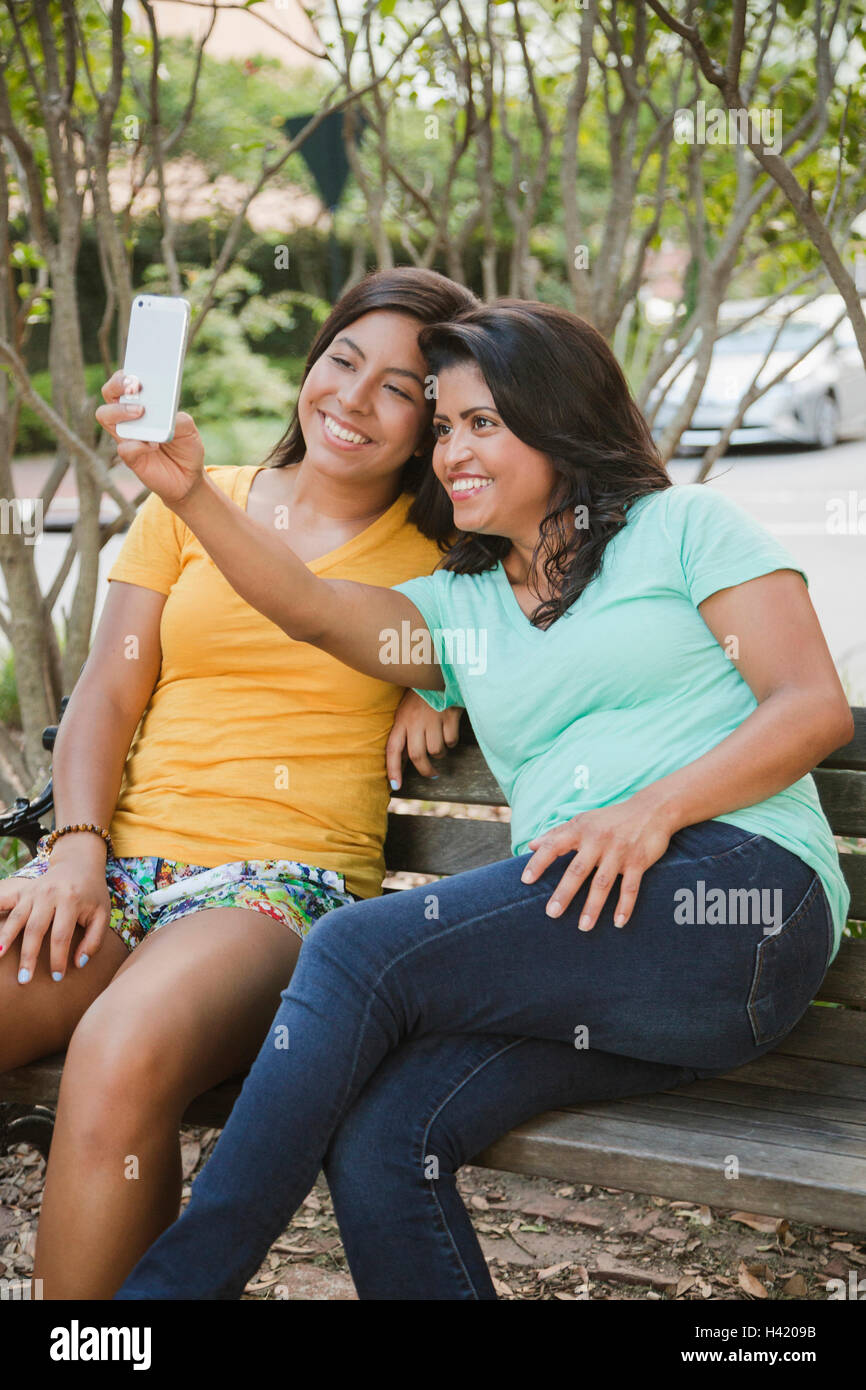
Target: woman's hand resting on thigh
{"points": [[72, 891], [171, 470], [623, 839]]}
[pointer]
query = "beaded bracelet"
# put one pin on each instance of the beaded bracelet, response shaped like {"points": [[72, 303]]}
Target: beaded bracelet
{"points": [[67, 829]]}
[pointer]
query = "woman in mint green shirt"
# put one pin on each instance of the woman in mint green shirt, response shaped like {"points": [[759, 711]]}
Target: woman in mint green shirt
{"points": [[650, 685]]}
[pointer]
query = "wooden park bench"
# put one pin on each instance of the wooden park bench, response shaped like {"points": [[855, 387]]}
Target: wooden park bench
{"points": [[795, 1119]]}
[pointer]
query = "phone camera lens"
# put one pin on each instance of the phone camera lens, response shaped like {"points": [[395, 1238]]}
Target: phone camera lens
{"points": [[140, 303]]}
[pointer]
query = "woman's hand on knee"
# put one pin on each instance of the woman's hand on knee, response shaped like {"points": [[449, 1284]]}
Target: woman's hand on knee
{"points": [[59, 900], [616, 841]]}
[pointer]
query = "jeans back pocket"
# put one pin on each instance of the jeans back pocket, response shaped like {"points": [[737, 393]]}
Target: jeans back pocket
{"points": [[790, 964]]}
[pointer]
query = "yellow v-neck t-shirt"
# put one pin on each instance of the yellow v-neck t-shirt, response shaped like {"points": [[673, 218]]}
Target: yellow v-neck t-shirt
{"points": [[253, 745]]}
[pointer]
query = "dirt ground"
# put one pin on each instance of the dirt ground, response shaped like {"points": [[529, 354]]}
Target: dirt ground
{"points": [[542, 1239]]}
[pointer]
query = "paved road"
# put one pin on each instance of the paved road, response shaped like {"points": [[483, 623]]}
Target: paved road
{"points": [[797, 495]]}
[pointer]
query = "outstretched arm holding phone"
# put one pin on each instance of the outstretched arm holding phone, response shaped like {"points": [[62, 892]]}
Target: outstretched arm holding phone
{"points": [[343, 618]]}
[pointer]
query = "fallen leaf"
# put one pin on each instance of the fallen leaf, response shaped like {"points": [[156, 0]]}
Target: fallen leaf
{"points": [[683, 1284], [565, 1192], [548, 1273], [479, 1203], [795, 1287], [749, 1284], [841, 1245], [263, 1283], [768, 1224]]}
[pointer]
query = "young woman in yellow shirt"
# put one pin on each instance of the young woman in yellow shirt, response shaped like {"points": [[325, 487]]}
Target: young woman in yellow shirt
{"points": [[240, 776]]}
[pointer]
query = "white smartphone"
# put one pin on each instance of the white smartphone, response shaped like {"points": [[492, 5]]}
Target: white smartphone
{"points": [[155, 348]]}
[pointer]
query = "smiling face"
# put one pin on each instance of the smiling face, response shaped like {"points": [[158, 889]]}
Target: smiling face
{"points": [[362, 406], [499, 486]]}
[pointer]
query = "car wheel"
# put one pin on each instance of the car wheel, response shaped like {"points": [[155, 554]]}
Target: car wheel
{"points": [[826, 423]]}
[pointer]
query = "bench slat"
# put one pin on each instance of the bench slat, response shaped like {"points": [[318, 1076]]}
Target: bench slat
{"points": [[843, 800], [737, 1121], [439, 845], [827, 1035], [845, 981], [854, 869], [463, 777], [820, 1189], [774, 1099], [35, 1084], [467, 757], [853, 754], [802, 1074]]}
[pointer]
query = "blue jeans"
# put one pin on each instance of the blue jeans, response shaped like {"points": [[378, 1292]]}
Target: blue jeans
{"points": [[421, 1026]]}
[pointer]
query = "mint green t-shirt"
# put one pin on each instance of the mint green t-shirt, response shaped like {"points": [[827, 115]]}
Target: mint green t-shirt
{"points": [[628, 685]]}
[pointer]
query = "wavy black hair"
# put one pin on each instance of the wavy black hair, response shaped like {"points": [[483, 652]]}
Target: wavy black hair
{"points": [[559, 388], [421, 294]]}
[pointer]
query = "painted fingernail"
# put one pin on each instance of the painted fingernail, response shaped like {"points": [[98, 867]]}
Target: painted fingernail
{"points": [[526, 876], [585, 922], [133, 409], [83, 961], [619, 920], [434, 777], [56, 975], [394, 784], [553, 908], [23, 976]]}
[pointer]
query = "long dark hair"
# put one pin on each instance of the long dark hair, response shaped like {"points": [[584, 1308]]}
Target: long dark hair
{"points": [[559, 388], [424, 295]]}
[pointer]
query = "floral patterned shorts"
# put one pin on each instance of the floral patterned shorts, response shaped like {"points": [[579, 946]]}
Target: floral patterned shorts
{"points": [[147, 892]]}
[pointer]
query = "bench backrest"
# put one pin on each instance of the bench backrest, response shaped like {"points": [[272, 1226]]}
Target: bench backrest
{"points": [[448, 844]]}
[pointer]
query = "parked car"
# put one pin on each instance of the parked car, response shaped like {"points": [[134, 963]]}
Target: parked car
{"points": [[821, 400]]}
